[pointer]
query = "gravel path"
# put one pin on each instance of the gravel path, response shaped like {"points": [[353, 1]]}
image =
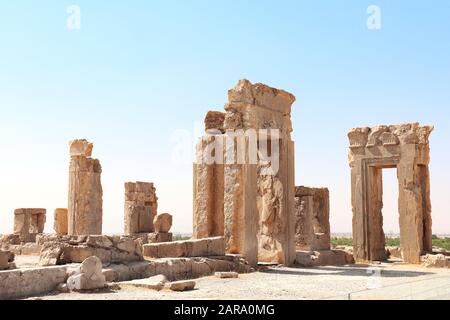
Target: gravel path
{"points": [[396, 281]]}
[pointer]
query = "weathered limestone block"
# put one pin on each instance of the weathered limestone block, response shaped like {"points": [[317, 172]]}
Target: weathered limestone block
{"points": [[28, 223], [159, 237], [214, 121], [85, 191], [109, 249], [312, 212], [163, 223], [244, 175], [141, 205], [208, 186], [22, 283], [309, 259], [190, 248], [153, 283], [405, 147], [4, 260], [226, 275], [61, 222], [435, 261], [88, 276], [184, 285]]}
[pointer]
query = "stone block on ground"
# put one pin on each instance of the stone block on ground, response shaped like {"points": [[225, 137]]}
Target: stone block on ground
{"points": [[182, 285], [88, 276], [188, 248], [311, 259], [153, 283], [226, 275], [4, 260], [436, 261]]}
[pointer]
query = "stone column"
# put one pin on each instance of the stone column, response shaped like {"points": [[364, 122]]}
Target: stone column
{"points": [[141, 205], [61, 222], [28, 223], [85, 191], [208, 193]]}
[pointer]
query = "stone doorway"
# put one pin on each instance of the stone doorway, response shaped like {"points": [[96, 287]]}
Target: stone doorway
{"points": [[406, 148]]}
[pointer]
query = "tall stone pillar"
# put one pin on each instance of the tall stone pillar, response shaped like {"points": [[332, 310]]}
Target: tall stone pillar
{"points": [[244, 175], [85, 191], [61, 221], [208, 182], [141, 205]]}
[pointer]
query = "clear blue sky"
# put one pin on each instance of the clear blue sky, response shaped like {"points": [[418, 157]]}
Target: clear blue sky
{"points": [[138, 71]]}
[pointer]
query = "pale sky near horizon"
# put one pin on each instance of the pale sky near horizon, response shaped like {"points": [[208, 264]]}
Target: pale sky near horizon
{"points": [[139, 73]]}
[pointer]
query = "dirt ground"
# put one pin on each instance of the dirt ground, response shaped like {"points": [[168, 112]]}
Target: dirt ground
{"points": [[384, 281]]}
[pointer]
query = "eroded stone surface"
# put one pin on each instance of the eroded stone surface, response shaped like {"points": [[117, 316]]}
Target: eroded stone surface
{"points": [[163, 223], [141, 205], [85, 191], [88, 276], [184, 285], [312, 212], [250, 202], [405, 147], [61, 221], [189, 248], [28, 223]]}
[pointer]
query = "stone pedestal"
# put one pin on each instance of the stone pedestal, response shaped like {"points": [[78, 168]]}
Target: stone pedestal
{"points": [[405, 147], [141, 205], [312, 212], [28, 223], [85, 191]]}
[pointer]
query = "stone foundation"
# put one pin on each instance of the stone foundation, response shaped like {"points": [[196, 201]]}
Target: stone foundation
{"points": [[309, 259], [190, 248]]}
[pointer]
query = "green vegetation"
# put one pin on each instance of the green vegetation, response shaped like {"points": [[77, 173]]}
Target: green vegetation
{"points": [[180, 237], [443, 243]]}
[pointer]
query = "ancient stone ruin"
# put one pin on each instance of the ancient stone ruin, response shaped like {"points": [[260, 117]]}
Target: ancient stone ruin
{"points": [[239, 191], [28, 223], [312, 214], [61, 222], [246, 209], [85, 191], [406, 148], [141, 205]]}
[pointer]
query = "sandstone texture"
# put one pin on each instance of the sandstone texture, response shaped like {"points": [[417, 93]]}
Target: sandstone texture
{"points": [[85, 191], [57, 250], [312, 213], [163, 223], [189, 248], [60, 225], [226, 275], [185, 285], [28, 223], [88, 276], [153, 283], [241, 192], [435, 261], [405, 147], [311, 259], [141, 205]]}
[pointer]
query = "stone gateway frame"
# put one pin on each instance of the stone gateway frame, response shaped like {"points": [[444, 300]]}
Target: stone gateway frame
{"points": [[405, 147]]}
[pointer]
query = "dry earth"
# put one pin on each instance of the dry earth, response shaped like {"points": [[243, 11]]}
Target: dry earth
{"points": [[396, 282]]}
